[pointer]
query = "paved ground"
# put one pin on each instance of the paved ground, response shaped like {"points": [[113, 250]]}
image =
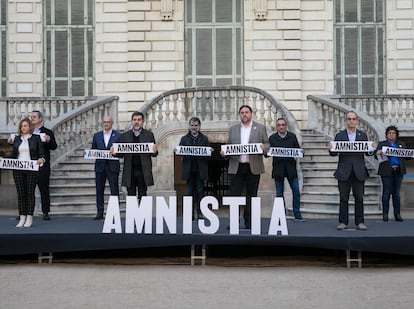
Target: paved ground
{"points": [[317, 282], [178, 286]]}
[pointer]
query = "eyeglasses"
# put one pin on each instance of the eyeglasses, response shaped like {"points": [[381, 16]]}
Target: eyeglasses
{"points": [[351, 118]]}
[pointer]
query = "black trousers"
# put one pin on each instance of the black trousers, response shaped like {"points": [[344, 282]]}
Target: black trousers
{"points": [[43, 179], [245, 183], [137, 180], [358, 193], [25, 185]]}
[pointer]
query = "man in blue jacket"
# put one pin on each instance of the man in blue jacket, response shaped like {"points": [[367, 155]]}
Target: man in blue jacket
{"points": [[105, 169]]}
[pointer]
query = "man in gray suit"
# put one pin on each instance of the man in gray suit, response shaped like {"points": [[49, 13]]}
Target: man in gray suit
{"points": [[245, 170], [351, 173], [137, 171]]}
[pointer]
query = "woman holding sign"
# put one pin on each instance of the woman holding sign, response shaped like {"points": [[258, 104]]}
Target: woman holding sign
{"points": [[392, 170], [26, 146]]}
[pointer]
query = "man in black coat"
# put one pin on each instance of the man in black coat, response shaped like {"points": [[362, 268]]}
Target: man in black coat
{"points": [[285, 167], [137, 170], [195, 168], [43, 176], [351, 173]]}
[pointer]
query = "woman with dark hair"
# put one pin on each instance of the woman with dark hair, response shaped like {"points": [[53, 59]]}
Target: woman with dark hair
{"points": [[392, 170], [26, 146]]}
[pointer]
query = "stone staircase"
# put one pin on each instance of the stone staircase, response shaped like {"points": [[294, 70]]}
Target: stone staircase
{"points": [[319, 195], [72, 186]]}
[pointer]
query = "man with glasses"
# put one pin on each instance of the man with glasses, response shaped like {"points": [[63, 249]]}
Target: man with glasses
{"points": [[351, 173]]}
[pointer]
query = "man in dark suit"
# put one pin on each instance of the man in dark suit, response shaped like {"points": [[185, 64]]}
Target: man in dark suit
{"points": [[137, 170], [105, 169], [245, 170], [195, 168], [43, 176], [351, 173]]}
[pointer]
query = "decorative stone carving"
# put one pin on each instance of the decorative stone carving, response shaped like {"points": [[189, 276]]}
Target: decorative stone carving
{"points": [[166, 10], [260, 9]]}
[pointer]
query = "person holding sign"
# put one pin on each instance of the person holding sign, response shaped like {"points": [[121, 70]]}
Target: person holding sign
{"points": [[351, 171], [195, 167], [285, 166], [26, 146], [246, 162], [105, 169], [43, 177], [392, 170], [137, 170]]}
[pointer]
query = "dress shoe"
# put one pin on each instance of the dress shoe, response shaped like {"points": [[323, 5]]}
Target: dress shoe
{"points": [[385, 218], [362, 227], [299, 219], [341, 226], [46, 217], [398, 218], [98, 217]]}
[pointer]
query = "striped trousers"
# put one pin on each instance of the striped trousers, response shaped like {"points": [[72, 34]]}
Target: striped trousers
{"points": [[25, 185]]}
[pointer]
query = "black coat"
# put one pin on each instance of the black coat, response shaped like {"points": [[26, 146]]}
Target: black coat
{"points": [[51, 145], [35, 147], [284, 166], [201, 162], [146, 161], [349, 161], [384, 168]]}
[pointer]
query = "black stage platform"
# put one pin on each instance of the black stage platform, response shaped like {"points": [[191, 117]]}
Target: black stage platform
{"points": [[76, 234]]}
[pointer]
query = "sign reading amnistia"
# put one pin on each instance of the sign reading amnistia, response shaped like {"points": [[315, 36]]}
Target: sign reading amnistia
{"points": [[133, 147], [356, 146], [285, 152], [99, 154], [397, 152], [241, 149], [202, 151], [16, 164]]}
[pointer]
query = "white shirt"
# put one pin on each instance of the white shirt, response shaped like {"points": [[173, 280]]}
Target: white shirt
{"points": [[244, 140], [24, 150], [107, 137]]}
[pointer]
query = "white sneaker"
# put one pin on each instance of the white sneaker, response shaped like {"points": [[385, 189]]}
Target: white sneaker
{"points": [[21, 221], [29, 221]]}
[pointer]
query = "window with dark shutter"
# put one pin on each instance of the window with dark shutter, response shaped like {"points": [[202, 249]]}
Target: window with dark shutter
{"points": [[359, 28], [213, 42], [69, 31]]}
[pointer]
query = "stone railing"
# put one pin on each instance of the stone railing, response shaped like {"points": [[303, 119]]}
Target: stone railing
{"points": [[77, 126], [215, 104], [378, 111], [327, 115], [13, 109]]}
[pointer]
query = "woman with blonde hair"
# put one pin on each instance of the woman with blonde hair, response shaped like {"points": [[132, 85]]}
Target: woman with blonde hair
{"points": [[26, 146]]}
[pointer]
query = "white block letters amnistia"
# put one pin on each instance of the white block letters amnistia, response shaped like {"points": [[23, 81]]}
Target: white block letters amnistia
{"points": [[139, 216]]}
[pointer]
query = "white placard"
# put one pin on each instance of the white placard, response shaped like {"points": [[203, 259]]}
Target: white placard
{"points": [[42, 136], [285, 152], [346, 146], [133, 147], [16, 164], [240, 149], [201, 151], [397, 152], [99, 154]]}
